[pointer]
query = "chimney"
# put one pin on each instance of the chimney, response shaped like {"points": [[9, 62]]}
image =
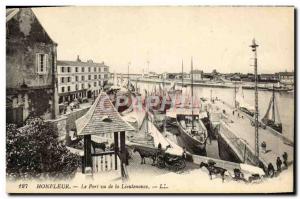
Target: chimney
{"points": [[78, 59]]}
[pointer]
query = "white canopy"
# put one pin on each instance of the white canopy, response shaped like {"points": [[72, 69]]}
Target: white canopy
{"points": [[175, 149], [252, 169], [172, 149]]}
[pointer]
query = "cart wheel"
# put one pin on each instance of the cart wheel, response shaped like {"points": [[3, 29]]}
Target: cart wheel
{"points": [[179, 165], [160, 163]]}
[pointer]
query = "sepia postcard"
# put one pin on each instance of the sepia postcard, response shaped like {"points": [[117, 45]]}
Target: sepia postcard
{"points": [[150, 99]]}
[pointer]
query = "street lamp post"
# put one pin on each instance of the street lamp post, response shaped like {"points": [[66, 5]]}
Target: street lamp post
{"points": [[253, 47]]}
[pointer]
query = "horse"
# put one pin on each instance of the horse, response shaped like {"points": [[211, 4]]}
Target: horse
{"points": [[213, 170], [146, 154], [98, 145]]}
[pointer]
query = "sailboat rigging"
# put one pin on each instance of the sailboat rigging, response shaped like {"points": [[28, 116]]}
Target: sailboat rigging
{"points": [[192, 130], [272, 118]]}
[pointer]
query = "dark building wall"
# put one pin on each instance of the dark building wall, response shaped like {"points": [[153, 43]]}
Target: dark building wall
{"points": [[25, 38], [26, 89]]}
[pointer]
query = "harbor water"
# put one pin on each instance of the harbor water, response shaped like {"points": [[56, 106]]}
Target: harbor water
{"points": [[285, 101]]}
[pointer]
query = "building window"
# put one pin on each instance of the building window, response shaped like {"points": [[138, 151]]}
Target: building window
{"points": [[95, 69], [82, 69], [99, 83], [76, 78], [89, 77], [105, 69], [76, 69], [89, 69], [62, 89], [76, 87], [69, 88], [69, 79], [105, 76], [42, 62], [95, 84], [62, 69], [99, 76], [82, 86], [69, 69], [95, 76], [99, 69], [62, 80], [82, 78]]}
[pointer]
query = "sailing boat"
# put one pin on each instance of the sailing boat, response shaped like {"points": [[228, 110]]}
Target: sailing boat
{"points": [[192, 130], [119, 95], [242, 104], [173, 90], [273, 120]]}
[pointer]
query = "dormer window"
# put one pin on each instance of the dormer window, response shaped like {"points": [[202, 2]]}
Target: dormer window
{"points": [[42, 63]]}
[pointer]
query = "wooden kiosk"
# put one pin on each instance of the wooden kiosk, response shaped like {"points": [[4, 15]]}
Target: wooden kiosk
{"points": [[103, 118]]}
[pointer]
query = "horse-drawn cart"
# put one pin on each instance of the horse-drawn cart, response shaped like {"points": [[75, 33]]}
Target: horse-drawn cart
{"points": [[162, 158], [171, 160]]}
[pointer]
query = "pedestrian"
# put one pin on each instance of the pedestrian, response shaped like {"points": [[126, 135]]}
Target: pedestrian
{"points": [[159, 146], [278, 163], [264, 146], [285, 158], [233, 112], [238, 115], [184, 153], [270, 170]]}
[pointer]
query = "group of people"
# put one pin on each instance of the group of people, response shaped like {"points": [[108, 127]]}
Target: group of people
{"points": [[238, 114], [279, 162], [271, 170]]}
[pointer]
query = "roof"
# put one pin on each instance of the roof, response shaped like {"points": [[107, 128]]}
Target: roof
{"points": [[196, 71], [102, 118], [10, 13], [286, 73], [78, 63]]}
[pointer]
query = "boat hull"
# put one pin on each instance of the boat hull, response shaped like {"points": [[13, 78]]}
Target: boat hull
{"points": [[247, 111], [192, 145], [272, 125]]}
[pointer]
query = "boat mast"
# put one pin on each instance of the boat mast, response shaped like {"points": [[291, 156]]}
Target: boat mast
{"points": [[254, 46], [234, 94], [273, 106], [182, 76], [128, 75], [192, 86]]}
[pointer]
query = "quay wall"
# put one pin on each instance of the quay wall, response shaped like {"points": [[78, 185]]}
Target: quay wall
{"points": [[197, 159], [240, 147], [246, 85], [281, 136]]}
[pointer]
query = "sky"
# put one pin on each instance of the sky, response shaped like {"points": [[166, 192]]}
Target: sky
{"points": [[216, 37]]}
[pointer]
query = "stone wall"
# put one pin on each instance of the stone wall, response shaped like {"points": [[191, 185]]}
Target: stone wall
{"points": [[73, 116], [65, 123]]}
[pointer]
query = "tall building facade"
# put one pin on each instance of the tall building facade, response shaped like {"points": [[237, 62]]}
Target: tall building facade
{"points": [[78, 79], [31, 86]]}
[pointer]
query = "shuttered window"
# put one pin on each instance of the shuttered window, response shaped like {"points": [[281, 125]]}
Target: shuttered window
{"points": [[42, 63]]}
